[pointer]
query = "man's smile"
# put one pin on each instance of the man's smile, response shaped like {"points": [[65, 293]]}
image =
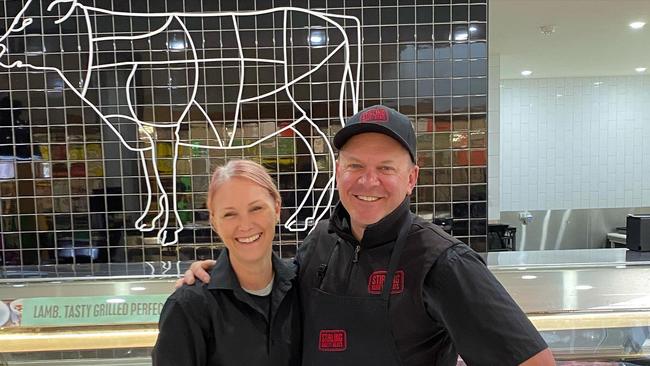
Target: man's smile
{"points": [[367, 198]]}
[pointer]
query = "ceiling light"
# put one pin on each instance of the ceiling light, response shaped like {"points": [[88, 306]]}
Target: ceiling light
{"points": [[460, 36], [637, 25], [528, 277], [559, 95], [317, 37], [584, 287], [176, 44], [640, 69], [547, 30], [526, 73]]}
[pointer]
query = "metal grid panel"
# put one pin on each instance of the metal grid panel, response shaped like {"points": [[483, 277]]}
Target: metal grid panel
{"points": [[71, 192]]}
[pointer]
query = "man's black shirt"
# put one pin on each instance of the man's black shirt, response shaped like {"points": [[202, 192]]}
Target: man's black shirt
{"points": [[446, 301]]}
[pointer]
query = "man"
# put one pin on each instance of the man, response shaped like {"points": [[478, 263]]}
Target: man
{"points": [[380, 286]]}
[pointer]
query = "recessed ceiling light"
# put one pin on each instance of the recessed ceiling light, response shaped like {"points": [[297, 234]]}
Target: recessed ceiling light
{"points": [[640, 69], [547, 30], [317, 37], [461, 36], [176, 44], [584, 287], [528, 277], [637, 25], [526, 73]]}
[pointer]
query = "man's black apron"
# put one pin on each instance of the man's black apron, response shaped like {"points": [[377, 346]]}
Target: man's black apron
{"points": [[348, 330]]}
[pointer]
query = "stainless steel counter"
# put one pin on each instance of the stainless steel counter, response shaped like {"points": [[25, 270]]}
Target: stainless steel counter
{"points": [[537, 289], [588, 304], [558, 258], [540, 281], [549, 290]]}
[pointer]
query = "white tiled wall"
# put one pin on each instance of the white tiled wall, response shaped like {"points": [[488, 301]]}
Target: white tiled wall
{"points": [[575, 143], [494, 76]]}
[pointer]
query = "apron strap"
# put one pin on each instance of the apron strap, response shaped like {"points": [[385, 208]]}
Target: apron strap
{"points": [[395, 257], [323, 267]]}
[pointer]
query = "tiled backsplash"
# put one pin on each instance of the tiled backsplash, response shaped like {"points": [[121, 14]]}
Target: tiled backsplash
{"points": [[70, 191], [575, 143]]}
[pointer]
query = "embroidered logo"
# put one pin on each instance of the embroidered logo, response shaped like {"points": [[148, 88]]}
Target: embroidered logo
{"points": [[374, 115], [332, 340], [377, 279]]}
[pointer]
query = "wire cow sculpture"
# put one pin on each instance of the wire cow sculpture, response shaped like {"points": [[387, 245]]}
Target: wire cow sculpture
{"points": [[193, 62]]}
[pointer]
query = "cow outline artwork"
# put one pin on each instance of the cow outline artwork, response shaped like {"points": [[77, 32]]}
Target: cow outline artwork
{"points": [[161, 220]]}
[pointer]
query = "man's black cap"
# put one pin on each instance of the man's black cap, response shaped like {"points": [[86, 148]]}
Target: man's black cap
{"points": [[379, 119]]}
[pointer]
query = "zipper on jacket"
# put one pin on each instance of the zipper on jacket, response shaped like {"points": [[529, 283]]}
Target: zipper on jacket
{"points": [[357, 249], [320, 274], [355, 260]]}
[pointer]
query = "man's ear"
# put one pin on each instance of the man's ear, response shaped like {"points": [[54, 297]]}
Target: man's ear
{"points": [[413, 177], [337, 168], [211, 220]]}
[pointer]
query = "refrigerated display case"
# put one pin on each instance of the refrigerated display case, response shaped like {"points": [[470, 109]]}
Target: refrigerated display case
{"points": [[588, 313]]}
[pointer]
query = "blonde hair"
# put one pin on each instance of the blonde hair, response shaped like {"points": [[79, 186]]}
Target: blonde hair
{"points": [[242, 169]]}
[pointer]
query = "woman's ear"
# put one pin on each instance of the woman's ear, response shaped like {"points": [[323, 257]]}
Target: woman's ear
{"points": [[277, 210]]}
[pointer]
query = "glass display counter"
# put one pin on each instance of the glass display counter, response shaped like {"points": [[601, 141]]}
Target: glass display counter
{"points": [[589, 314], [591, 306], [83, 314]]}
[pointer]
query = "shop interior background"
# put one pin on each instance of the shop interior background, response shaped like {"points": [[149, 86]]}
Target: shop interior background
{"points": [[71, 193], [568, 157]]}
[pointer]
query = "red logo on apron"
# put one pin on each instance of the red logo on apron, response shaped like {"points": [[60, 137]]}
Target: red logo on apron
{"points": [[377, 279], [374, 115], [332, 340]]}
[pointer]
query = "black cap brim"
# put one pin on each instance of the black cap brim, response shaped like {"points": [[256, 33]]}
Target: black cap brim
{"points": [[347, 132]]}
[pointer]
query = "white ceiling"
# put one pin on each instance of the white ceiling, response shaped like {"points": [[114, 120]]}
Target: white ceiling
{"points": [[592, 37]]}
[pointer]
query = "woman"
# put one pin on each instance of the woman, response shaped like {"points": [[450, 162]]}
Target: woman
{"points": [[248, 314]]}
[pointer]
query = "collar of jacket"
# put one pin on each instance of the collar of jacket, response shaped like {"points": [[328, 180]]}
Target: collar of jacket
{"points": [[223, 276], [381, 232]]}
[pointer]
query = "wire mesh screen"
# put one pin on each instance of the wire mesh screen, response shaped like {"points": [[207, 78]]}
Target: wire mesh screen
{"points": [[114, 113]]}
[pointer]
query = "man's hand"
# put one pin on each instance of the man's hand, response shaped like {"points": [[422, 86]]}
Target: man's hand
{"points": [[198, 270]]}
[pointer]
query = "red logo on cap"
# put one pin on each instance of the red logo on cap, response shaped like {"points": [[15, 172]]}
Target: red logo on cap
{"points": [[377, 279], [374, 115], [332, 340]]}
